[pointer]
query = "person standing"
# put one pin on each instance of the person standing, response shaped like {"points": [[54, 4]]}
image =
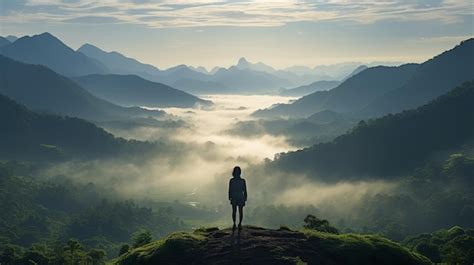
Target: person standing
{"points": [[237, 195]]}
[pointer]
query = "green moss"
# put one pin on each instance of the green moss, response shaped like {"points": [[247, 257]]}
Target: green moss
{"points": [[180, 242], [308, 246], [205, 230], [363, 249]]}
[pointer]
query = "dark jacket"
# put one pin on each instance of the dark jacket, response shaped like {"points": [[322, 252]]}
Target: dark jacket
{"points": [[237, 189]]}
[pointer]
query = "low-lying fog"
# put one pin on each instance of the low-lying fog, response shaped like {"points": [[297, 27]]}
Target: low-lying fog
{"points": [[202, 152], [209, 126], [196, 165]]}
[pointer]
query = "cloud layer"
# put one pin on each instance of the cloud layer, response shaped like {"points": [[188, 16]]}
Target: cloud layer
{"points": [[202, 13]]}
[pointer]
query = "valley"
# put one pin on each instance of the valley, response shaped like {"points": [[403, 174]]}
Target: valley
{"points": [[104, 157]]}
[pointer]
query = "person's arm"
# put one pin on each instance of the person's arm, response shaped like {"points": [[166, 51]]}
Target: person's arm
{"points": [[230, 188], [245, 190]]}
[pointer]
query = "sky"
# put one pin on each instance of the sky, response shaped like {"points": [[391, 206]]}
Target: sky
{"points": [[280, 33]]}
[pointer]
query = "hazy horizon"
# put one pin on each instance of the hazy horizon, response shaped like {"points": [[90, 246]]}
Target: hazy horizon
{"points": [[218, 33], [361, 151]]}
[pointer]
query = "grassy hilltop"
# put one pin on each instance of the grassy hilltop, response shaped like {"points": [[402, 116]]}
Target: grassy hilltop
{"points": [[255, 245]]}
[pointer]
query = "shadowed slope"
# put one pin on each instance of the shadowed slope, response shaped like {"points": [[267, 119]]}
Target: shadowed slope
{"points": [[116, 62], [27, 135], [132, 90], [47, 50], [393, 144], [351, 95], [41, 89], [432, 79]]}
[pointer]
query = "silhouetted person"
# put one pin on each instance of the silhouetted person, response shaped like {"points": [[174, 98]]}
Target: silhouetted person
{"points": [[237, 194]]}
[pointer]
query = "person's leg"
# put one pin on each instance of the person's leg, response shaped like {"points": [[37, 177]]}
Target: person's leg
{"points": [[241, 214], [234, 209]]}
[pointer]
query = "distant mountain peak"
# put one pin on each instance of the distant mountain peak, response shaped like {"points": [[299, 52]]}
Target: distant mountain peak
{"points": [[200, 69], [242, 61], [48, 50], [178, 67], [11, 38], [94, 51], [117, 62], [45, 37], [88, 46], [244, 64]]}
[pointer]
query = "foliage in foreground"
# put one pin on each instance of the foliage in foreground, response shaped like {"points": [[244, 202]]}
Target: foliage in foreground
{"points": [[452, 246], [40, 216]]}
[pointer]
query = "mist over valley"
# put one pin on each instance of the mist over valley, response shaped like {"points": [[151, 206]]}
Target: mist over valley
{"points": [[139, 141]]}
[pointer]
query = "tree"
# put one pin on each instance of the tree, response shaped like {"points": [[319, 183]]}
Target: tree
{"points": [[35, 257], [141, 237], [312, 222], [459, 250], [124, 249], [72, 246], [96, 256], [429, 250], [9, 255]]}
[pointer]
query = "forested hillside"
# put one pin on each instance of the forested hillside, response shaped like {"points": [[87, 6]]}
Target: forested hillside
{"points": [[27, 135], [351, 95], [377, 91], [42, 89], [42, 218], [390, 145], [452, 246], [432, 79]]}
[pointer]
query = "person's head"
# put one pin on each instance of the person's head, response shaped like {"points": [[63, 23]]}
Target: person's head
{"points": [[236, 172]]}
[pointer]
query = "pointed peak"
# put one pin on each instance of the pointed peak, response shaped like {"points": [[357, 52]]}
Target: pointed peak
{"points": [[88, 46], [45, 35], [242, 60]]}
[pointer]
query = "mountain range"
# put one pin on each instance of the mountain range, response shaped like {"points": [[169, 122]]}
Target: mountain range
{"points": [[27, 135], [300, 91], [42, 89], [132, 90], [432, 79], [47, 50], [337, 71], [391, 145], [190, 79], [356, 92], [116, 62], [380, 90], [319, 85]]}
